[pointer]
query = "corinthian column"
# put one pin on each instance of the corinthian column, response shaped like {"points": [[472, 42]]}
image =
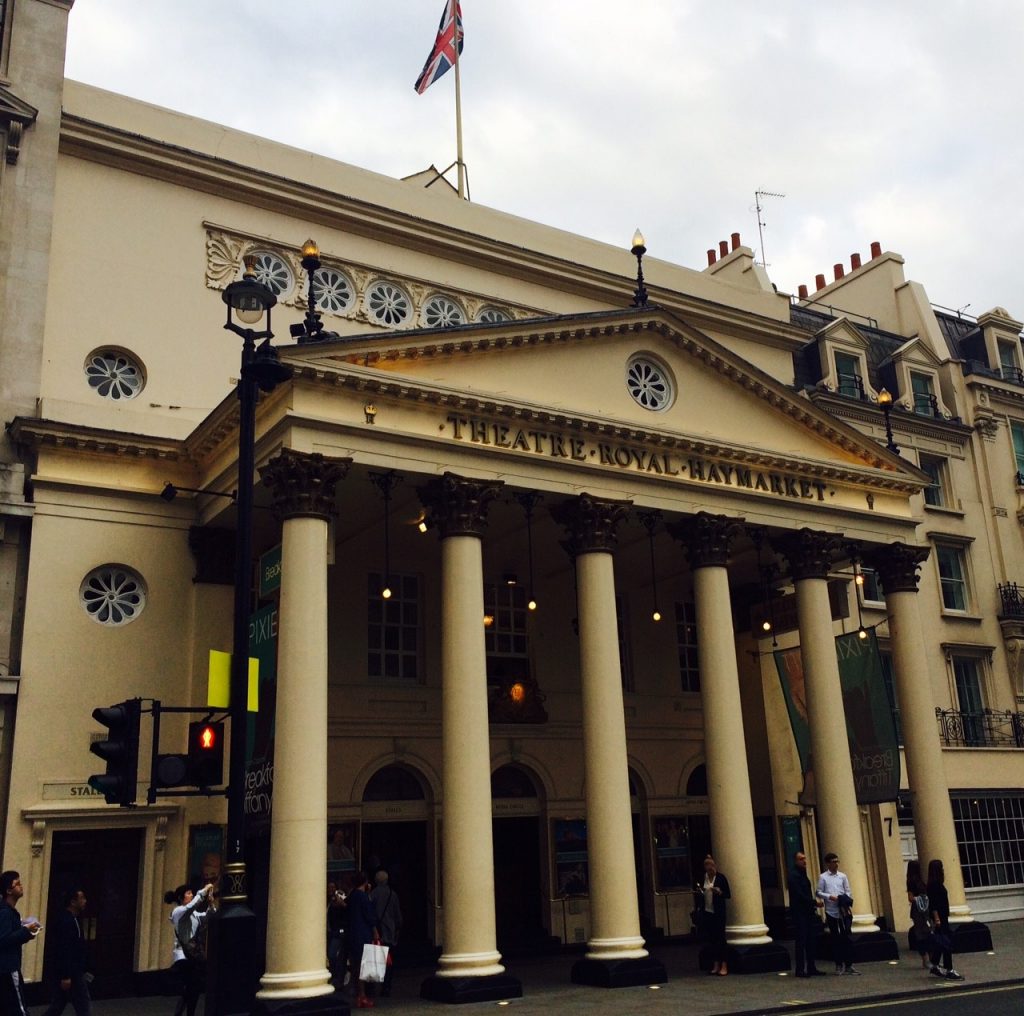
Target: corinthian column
{"points": [[303, 489], [810, 557], [469, 968], [706, 539], [615, 955], [897, 566]]}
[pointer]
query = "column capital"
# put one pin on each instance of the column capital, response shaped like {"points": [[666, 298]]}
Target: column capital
{"points": [[590, 523], [706, 538], [458, 504], [302, 483], [810, 553], [897, 565]]}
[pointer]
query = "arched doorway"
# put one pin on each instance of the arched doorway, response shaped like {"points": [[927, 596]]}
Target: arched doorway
{"points": [[394, 837], [518, 881]]}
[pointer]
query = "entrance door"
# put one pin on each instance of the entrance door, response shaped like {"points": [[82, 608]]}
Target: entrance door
{"points": [[400, 848], [105, 864], [517, 882]]}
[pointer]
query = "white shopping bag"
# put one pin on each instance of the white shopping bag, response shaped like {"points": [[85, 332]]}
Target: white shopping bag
{"points": [[374, 963]]}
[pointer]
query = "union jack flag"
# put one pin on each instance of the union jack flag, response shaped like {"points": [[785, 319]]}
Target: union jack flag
{"points": [[442, 56]]}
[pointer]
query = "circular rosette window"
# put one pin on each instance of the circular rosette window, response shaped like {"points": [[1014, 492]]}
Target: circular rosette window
{"points": [[442, 312], [650, 383], [113, 374], [334, 292], [273, 271], [113, 595]]}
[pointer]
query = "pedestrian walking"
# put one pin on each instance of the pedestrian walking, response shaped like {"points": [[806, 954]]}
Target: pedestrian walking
{"points": [[389, 922], [941, 939], [834, 891], [14, 933], [69, 958]]}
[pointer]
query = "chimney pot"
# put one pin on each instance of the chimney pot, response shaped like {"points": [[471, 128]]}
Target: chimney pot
{"points": [[802, 291], [723, 247], [712, 256], [735, 240], [838, 269], [854, 262], [876, 249], [819, 282]]}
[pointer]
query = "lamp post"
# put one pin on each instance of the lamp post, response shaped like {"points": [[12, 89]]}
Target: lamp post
{"points": [[638, 250], [885, 401], [233, 974]]}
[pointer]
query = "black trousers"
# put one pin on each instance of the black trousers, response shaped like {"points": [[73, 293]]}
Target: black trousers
{"points": [[944, 954], [11, 1002], [842, 947], [77, 995], [806, 929]]}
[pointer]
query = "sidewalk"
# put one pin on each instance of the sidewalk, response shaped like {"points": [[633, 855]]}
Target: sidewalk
{"points": [[546, 986]]}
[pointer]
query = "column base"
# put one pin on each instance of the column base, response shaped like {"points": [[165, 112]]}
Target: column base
{"points": [[971, 936], [868, 947], [322, 1005], [459, 990], [619, 973], [765, 958]]}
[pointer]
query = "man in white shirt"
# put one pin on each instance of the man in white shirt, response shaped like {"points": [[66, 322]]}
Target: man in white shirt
{"points": [[834, 892]]}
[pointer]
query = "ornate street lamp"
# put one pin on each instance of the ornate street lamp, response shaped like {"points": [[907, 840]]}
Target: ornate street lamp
{"points": [[885, 401], [232, 940], [638, 250], [311, 327]]}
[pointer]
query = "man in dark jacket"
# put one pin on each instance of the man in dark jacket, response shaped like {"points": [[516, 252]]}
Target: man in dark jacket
{"points": [[13, 935], [803, 909], [69, 958]]}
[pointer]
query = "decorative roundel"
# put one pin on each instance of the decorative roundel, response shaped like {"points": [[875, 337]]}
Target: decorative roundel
{"points": [[649, 383], [114, 375], [492, 314], [112, 595], [334, 292], [443, 312], [273, 271], [387, 304]]}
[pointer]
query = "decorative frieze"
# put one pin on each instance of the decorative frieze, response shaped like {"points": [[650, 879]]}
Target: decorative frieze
{"points": [[457, 505], [302, 483]]}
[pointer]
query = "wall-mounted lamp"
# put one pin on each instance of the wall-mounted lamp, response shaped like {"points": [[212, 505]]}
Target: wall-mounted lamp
{"points": [[885, 401], [370, 412]]}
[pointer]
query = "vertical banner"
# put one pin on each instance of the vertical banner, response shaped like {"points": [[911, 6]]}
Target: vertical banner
{"points": [[259, 770], [870, 725]]}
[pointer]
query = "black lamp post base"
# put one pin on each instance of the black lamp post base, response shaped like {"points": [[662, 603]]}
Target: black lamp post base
{"points": [[335, 1004], [619, 973], [232, 977], [459, 990]]}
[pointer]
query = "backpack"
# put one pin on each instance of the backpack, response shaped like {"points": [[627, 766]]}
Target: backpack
{"points": [[922, 903], [187, 936]]}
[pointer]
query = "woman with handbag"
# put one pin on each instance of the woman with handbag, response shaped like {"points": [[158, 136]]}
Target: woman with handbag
{"points": [[920, 910], [362, 930], [711, 896], [941, 940]]}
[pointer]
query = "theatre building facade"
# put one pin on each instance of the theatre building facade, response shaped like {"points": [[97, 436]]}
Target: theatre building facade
{"points": [[531, 554]]}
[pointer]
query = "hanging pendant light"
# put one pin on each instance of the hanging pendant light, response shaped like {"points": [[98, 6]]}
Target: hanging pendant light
{"points": [[650, 520], [529, 501], [385, 483], [767, 573], [858, 583]]}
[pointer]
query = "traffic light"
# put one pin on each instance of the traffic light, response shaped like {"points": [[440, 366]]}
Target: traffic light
{"points": [[205, 754], [120, 751]]}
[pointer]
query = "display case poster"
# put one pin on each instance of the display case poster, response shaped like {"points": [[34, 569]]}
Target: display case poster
{"points": [[341, 850], [572, 872], [259, 769], [672, 852], [205, 854]]}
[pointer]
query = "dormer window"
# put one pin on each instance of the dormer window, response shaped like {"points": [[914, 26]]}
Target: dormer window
{"points": [[1009, 364], [922, 388], [849, 379]]}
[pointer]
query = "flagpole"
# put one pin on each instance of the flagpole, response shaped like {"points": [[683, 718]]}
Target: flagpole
{"points": [[458, 109]]}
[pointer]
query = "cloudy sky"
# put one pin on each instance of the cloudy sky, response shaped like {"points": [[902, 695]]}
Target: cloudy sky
{"points": [[890, 120]]}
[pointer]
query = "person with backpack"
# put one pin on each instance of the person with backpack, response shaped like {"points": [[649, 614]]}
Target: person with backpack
{"points": [[188, 918]]}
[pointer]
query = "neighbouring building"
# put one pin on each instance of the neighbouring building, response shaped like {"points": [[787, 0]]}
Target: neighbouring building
{"points": [[533, 463]]}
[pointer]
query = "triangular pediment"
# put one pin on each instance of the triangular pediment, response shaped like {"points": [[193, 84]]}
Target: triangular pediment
{"points": [[575, 368], [915, 351], [14, 109]]}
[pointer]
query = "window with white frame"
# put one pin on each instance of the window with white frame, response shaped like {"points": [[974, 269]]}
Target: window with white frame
{"points": [[871, 586], [849, 375], [990, 836], [952, 564], [936, 494], [393, 627], [1017, 434], [686, 643], [922, 387], [967, 680]]}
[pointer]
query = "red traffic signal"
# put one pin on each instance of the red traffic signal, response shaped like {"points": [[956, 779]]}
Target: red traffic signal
{"points": [[205, 754]]}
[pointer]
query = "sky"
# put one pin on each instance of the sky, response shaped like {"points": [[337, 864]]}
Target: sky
{"points": [[890, 120]]}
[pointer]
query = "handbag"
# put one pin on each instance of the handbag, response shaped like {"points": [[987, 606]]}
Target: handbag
{"points": [[374, 963]]}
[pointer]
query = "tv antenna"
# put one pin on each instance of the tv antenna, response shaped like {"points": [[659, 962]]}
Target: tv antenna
{"points": [[758, 196]]}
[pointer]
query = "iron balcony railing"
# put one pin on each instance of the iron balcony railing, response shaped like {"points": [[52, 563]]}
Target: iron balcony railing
{"points": [[926, 404], [851, 385], [1011, 598], [983, 728], [1012, 374]]}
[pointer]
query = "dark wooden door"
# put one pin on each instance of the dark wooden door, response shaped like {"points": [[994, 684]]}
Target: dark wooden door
{"points": [[106, 865]]}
